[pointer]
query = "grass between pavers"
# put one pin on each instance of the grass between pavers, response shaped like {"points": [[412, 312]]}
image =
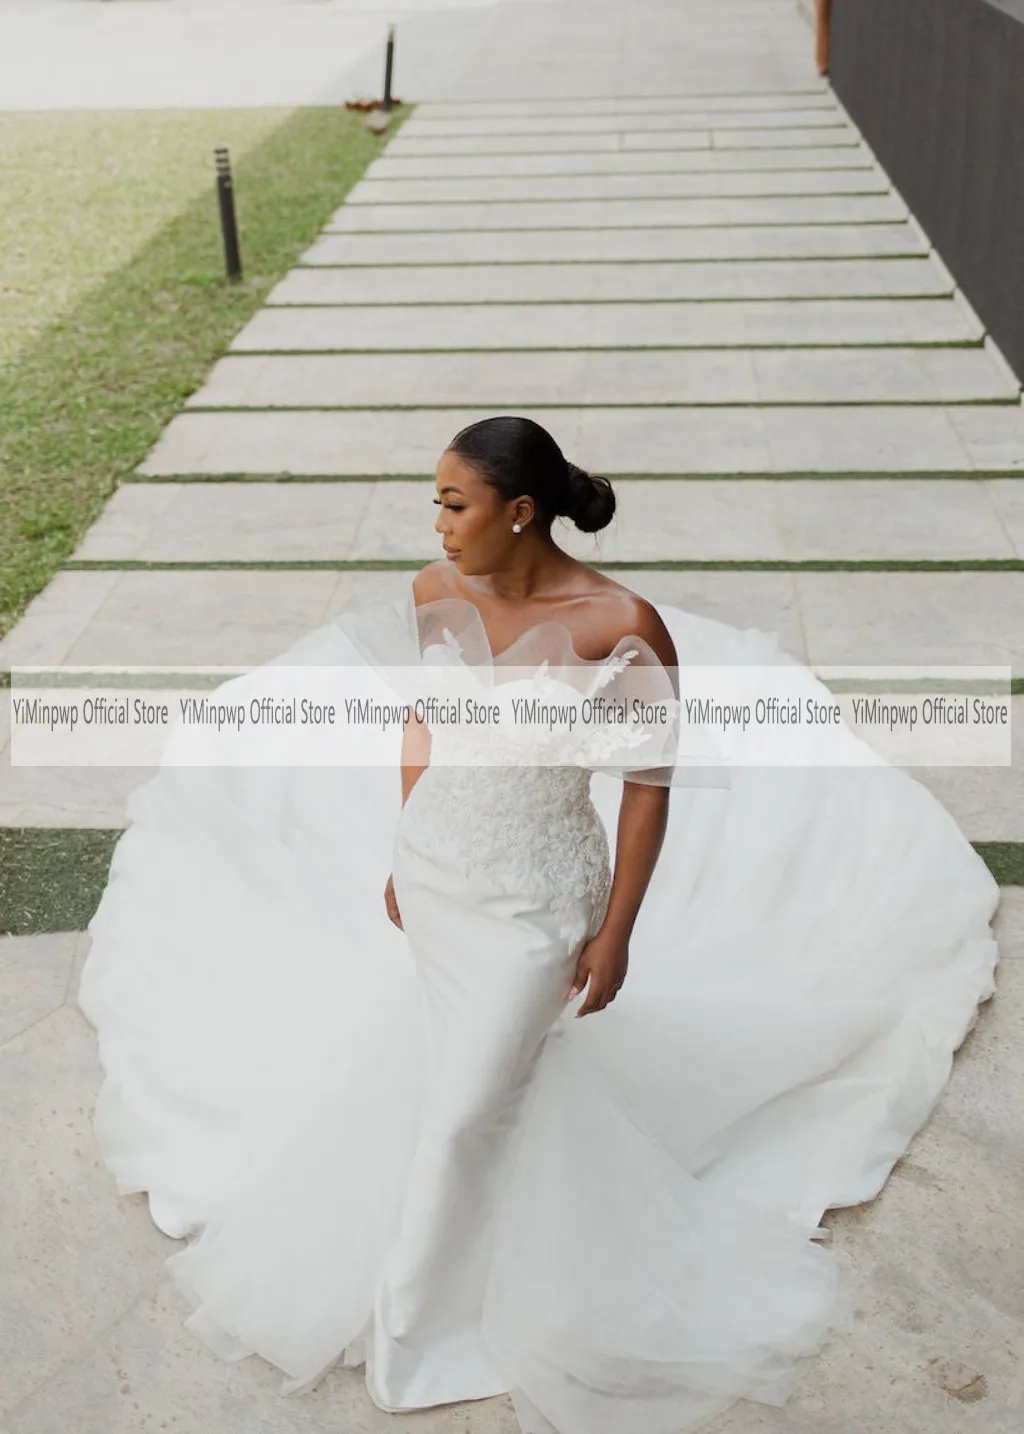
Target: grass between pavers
{"points": [[810, 475], [91, 396], [631, 198], [333, 233], [669, 565], [546, 263], [630, 405], [51, 879]]}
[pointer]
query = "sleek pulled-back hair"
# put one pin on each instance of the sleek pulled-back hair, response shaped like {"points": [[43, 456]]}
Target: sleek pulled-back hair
{"points": [[520, 459]]}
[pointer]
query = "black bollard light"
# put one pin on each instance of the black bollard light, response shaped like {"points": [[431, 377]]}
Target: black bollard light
{"points": [[228, 221], [389, 68]]}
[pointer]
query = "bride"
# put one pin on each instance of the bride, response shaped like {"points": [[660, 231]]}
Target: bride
{"points": [[560, 1115]]}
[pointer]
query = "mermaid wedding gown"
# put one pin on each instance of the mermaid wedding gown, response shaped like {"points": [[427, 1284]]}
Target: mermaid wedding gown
{"points": [[400, 1150]]}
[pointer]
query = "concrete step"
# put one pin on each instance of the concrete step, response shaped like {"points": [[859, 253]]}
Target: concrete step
{"points": [[615, 162], [723, 137], [620, 246], [623, 121], [705, 520], [613, 283], [711, 441], [608, 379], [527, 189], [619, 213]]}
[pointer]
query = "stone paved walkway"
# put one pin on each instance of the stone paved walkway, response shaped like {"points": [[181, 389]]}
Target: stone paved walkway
{"points": [[653, 227]]}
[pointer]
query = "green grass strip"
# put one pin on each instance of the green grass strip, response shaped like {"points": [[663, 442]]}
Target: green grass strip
{"points": [[917, 295], [51, 879], [1004, 859], [66, 679], [977, 475], [671, 565], [334, 232], [696, 347], [596, 404], [376, 263], [487, 172], [92, 395], [623, 199]]}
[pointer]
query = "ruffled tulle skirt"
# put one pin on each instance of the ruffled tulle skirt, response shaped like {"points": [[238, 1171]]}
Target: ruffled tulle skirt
{"points": [[401, 1149]]}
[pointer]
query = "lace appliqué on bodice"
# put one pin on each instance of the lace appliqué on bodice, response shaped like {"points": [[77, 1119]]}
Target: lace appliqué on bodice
{"points": [[513, 808], [533, 831]]}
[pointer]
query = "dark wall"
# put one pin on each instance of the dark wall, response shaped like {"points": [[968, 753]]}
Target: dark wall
{"points": [[937, 89]]}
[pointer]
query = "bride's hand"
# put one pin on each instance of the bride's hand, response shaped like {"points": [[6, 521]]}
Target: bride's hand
{"points": [[602, 962], [391, 904]]}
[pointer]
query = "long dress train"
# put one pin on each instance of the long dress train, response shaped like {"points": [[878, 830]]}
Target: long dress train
{"points": [[401, 1150]]}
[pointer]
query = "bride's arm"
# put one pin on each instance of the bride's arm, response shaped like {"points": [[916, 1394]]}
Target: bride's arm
{"points": [[643, 821], [603, 962]]}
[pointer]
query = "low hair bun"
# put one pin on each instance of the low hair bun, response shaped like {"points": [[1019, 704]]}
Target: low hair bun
{"points": [[517, 458], [590, 501]]}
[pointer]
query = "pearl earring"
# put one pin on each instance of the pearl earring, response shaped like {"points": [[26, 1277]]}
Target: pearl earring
{"points": [[517, 527]]}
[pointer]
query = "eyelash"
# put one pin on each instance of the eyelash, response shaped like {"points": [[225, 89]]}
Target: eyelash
{"points": [[454, 507]]}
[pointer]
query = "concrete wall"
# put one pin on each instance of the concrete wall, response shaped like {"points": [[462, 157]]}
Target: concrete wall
{"points": [[937, 89]]}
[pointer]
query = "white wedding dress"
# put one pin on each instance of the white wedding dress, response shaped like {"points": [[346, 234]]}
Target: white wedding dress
{"points": [[401, 1149]]}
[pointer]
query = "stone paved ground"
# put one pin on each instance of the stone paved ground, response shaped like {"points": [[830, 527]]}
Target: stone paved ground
{"points": [[678, 254]]}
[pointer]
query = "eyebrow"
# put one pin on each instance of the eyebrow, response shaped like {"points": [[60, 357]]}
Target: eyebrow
{"points": [[450, 489]]}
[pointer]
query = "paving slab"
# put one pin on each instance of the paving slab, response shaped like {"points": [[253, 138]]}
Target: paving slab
{"points": [[250, 616], [820, 99], [992, 444], [718, 440], [907, 519], [620, 213], [767, 137], [62, 798], [174, 1380], [572, 246], [700, 324], [607, 162], [35, 972], [164, 617], [613, 283], [1008, 497], [237, 522], [987, 803], [913, 617], [606, 379], [887, 440], [723, 136], [623, 121], [525, 189], [75, 1259], [657, 519], [472, 143]]}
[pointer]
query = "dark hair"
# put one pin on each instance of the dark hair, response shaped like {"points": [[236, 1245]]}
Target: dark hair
{"points": [[519, 458]]}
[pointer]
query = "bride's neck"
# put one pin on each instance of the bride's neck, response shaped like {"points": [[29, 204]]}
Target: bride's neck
{"points": [[531, 574]]}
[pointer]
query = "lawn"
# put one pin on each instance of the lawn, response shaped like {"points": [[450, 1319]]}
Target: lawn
{"points": [[114, 303]]}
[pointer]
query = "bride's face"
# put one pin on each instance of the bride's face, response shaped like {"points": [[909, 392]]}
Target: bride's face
{"points": [[474, 521]]}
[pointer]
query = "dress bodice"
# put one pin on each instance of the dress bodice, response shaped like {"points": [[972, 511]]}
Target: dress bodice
{"points": [[507, 798]]}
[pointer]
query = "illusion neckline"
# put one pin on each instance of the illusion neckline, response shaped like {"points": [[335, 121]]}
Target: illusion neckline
{"points": [[629, 639]]}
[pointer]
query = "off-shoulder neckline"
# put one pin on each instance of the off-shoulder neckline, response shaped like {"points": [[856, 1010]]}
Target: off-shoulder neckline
{"points": [[618, 651]]}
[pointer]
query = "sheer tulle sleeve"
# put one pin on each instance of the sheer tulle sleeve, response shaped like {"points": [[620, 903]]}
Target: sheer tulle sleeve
{"points": [[619, 714]]}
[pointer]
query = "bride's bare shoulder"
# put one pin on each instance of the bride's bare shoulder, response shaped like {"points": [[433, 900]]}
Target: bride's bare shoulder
{"points": [[432, 582], [624, 613]]}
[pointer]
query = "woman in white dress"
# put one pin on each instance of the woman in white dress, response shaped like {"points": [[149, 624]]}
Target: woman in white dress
{"points": [[432, 1166]]}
